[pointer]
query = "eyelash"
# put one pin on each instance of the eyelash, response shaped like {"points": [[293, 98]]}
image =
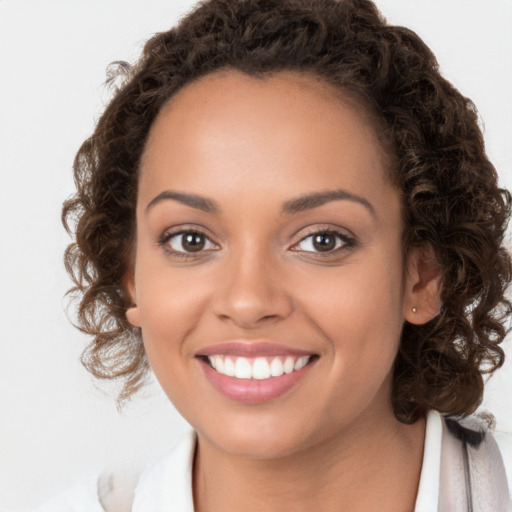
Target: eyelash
{"points": [[347, 242]]}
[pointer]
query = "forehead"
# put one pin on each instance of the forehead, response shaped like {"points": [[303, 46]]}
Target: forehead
{"points": [[285, 129]]}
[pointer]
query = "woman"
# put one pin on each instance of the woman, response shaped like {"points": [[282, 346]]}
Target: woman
{"points": [[288, 214]]}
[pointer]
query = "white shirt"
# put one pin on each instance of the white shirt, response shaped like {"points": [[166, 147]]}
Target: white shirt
{"points": [[166, 485]]}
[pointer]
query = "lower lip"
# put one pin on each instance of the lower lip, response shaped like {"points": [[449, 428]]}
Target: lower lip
{"points": [[253, 391]]}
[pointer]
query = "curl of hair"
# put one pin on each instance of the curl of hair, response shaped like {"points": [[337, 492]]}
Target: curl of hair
{"points": [[451, 200]]}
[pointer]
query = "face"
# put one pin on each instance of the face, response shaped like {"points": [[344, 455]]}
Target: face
{"points": [[268, 278]]}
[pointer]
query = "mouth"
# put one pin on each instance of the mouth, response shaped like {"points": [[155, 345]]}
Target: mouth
{"points": [[257, 368], [254, 372]]}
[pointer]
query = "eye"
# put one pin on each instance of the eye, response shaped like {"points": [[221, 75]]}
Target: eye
{"points": [[188, 242], [323, 242]]}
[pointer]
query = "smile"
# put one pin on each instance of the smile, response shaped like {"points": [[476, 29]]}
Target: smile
{"points": [[259, 368], [254, 373]]}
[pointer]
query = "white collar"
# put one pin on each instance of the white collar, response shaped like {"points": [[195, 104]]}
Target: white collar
{"points": [[428, 490], [167, 484]]}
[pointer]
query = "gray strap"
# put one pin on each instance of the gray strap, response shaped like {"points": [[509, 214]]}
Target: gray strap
{"points": [[487, 477], [473, 477], [467, 477]]}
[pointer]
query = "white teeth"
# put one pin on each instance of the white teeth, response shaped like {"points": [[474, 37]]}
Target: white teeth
{"points": [[301, 362], [276, 367], [218, 363], [289, 363], [243, 368], [229, 367], [259, 368]]}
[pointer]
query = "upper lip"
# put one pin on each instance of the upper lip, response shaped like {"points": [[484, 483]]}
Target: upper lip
{"points": [[247, 348]]}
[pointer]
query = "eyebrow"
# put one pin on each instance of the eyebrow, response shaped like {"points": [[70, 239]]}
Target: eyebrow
{"points": [[299, 204], [194, 201], [316, 199]]}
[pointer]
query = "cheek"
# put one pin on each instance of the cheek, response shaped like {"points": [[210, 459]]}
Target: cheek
{"points": [[170, 305], [170, 309], [358, 308]]}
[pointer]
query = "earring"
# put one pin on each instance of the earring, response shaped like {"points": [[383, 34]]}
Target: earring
{"points": [[414, 310]]}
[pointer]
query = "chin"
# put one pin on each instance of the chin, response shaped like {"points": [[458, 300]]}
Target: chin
{"points": [[249, 445], [262, 436]]}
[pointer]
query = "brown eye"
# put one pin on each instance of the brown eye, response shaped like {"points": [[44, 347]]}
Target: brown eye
{"points": [[193, 242], [189, 242], [324, 242]]}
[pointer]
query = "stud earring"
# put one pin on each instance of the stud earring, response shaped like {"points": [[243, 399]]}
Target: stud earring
{"points": [[414, 310]]}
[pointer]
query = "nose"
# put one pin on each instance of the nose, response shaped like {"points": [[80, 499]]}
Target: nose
{"points": [[251, 291]]}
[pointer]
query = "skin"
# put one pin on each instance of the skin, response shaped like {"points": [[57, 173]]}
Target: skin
{"points": [[251, 145]]}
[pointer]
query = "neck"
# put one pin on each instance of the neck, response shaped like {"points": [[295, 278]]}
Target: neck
{"points": [[374, 466]]}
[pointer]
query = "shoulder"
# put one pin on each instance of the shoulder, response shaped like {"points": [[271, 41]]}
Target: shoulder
{"points": [[476, 462], [82, 497], [165, 484], [479, 433], [110, 491], [504, 442]]}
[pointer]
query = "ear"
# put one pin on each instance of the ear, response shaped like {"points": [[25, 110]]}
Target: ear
{"points": [[423, 283], [132, 312]]}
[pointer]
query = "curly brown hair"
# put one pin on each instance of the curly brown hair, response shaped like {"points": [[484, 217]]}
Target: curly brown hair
{"points": [[451, 200]]}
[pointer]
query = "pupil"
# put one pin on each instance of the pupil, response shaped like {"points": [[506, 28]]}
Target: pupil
{"points": [[324, 242], [193, 242]]}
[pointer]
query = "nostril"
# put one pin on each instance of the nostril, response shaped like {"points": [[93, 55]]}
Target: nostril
{"points": [[269, 317]]}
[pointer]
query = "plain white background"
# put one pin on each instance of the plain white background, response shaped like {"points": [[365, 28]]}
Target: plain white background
{"points": [[55, 425]]}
